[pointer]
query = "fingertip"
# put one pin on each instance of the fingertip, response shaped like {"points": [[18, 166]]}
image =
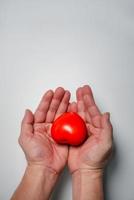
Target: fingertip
{"points": [[79, 93], [73, 107], [48, 95], [106, 120], [68, 93], [28, 111], [49, 92], [78, 88], [107, 116], [86, 86], [73, 104], [59, 89], [59, 93], [28, 116], [87, 90]]}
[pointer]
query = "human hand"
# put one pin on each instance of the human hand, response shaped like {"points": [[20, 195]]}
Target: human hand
{"points": [[35, 137], [97, 149]]}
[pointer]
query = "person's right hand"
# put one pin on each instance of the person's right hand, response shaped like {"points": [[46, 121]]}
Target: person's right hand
{"points": [[97, 149], [35, 138]]}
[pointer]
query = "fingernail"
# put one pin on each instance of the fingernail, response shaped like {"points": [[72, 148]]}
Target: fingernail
{"points": [[108, 115], [26, 111]]}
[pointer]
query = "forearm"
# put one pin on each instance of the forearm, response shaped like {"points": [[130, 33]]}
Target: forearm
{"points": [[88, 185], [37, 184]]}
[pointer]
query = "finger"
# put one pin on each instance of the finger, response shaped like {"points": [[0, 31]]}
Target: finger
{"points": [[79, 94], [69, 107], [93, 111], [105, 121], [106, 125], [63, 105], [89, 102], [41, 111], [97, 121], [58, 95], [73, 107], [93, 130], [81, 109], [88, 92], [80, 103], [88, 117], [27, 123]]}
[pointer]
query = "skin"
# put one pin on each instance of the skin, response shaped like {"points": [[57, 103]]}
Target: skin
{"points": [[86, 162], [43, 154], [46, 159]]}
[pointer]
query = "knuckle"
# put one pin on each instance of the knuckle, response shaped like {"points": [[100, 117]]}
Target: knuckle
{"points": [[52, 108]]}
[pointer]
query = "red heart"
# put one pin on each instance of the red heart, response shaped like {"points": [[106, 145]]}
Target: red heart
{"points": [[70, 129]]}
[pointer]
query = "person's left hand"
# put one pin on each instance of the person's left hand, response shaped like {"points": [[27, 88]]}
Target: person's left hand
{"points": [[35, 138], [95, 152]]}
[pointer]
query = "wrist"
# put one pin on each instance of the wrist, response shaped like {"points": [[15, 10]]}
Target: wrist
{"points": [[40, 170], [88, 173], [37, 183], [88, 184], [42, 179]]}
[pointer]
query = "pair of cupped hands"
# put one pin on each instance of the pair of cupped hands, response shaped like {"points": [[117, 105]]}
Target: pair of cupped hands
{"points": [[41, 150]]}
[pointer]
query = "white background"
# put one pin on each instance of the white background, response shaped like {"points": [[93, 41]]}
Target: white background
{"points": [[50, 43]]}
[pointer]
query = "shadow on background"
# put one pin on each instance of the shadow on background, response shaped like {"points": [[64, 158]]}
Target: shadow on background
{"points": [[59, 191], [109, 172]]}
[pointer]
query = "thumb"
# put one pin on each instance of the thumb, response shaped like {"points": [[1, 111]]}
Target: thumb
{"points": [[107, 126], [28, 117], [27, 122], [72, 107], [105, 121]]}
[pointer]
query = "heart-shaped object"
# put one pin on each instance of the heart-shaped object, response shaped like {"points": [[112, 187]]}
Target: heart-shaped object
{"points": [[69, 129]]}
